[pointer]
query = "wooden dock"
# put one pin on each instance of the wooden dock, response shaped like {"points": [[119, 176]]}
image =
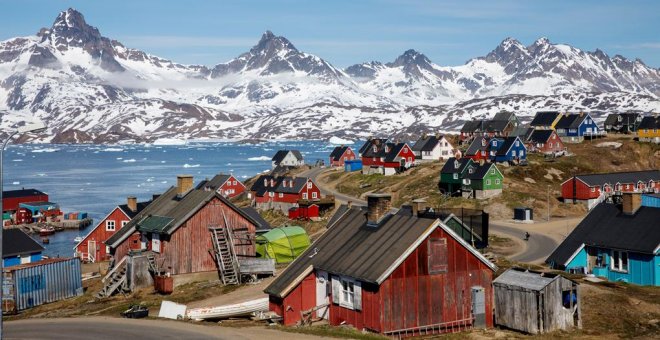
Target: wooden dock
{"points": [[33, 228]]}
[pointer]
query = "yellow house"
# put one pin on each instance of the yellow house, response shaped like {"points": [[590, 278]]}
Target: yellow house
{"points": [[649, 129]]}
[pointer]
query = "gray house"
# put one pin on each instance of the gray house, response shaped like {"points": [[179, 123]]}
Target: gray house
{"points": [[289, 158], [535, 302]]}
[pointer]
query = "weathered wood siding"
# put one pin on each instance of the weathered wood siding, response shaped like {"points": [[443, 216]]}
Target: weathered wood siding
{"points": [[536, 311], [411, 297], [130, 243], [190, 250], [301, 298]]}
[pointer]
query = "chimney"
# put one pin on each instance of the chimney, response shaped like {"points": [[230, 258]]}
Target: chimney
{"points": [[183, 184], [378, 205], [132, 203], [631, 202], [418, 205]]}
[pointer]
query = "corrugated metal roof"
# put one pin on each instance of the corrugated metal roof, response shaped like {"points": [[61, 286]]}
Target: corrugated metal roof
{"points": [[524, 279], [155, 224]]}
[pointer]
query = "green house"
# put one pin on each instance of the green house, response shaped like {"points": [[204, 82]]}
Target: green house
{"points": [[482, 181], [451, 175]]}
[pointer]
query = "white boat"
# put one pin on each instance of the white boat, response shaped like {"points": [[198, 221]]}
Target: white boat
{"points": [[228, 311], [78, 239]]}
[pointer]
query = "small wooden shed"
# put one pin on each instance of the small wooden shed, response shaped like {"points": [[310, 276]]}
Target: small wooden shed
{"points": [[535, 302]]}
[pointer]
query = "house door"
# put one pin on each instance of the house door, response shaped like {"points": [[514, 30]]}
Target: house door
{"points": [[155, 242], [322, 293], [91, 250]]}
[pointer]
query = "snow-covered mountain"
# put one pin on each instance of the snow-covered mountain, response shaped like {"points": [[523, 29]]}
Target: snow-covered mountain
{"points": [[91, 88]]}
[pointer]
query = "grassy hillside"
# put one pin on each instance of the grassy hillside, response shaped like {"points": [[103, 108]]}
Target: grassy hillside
{"points": [[523, 185]]}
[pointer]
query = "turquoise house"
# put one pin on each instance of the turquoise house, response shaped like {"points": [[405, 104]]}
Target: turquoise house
{"points": [[615, 242]]}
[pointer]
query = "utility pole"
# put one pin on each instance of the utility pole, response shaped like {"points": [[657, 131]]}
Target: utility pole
{"points": [[548, 203]]}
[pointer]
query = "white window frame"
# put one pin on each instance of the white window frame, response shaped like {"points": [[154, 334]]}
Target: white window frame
{"points": [[314, 194], [280, 195], [110, 225], [492, 171], [497, 181], [124, 223], [309, 185], [488, 182], [455, 176], [617, 263], [304, 195], [347, 293]]}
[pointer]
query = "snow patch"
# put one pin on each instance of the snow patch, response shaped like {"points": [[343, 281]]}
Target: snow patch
{"points": [[191, 165], [260, 158], [339, 141]]}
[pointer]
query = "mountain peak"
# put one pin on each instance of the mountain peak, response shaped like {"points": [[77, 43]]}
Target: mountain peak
{"points": [[542, 41], [70, 18], [409, 58], [270, 43]]}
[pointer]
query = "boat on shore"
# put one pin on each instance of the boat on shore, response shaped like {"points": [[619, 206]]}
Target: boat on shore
{"points": [[47, 230]]}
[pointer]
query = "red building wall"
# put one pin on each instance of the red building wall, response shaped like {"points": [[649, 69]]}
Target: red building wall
{"points": [[582, 192], [187, 249], [12, 203], [372, 161], [132, 242], [99, 235], [290, 198], [410, 297], [228, 186], [302, 298]]}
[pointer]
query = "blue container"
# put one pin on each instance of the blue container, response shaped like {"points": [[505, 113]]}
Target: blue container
{"points": [[29, 285], [82, 215], [353, 165], [651, 200]]}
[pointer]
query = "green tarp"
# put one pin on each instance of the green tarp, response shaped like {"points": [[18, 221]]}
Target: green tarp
{"points": [[283, 244]]}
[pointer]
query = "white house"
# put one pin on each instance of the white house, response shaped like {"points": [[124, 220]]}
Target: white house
{"points": [[432, 148], [288, 158]]}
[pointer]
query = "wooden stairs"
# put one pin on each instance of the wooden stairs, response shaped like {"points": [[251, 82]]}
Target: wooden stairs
{"points": [[115, 280], [224, 253]]}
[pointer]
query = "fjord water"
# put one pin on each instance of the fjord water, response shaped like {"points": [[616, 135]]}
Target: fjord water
{"points": [[96, 178]]}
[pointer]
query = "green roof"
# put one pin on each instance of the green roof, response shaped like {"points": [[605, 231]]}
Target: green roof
{"points": [[154, 224]]}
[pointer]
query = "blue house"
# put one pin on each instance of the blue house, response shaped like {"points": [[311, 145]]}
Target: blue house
{"points": [[616, 242], [19, 248], [572, 128], [509, 149]]}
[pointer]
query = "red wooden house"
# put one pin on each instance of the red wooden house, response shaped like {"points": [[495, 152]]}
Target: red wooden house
{"points": [[92, 248], [227, 185], [399, 275], [591, 189], [12, 198], [545, 141], [379, 156], [340, 154], [282, 192], [478, 149], [176, 227]]}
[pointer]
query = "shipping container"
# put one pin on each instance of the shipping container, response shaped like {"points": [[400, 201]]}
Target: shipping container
{"points": [[353, 165], [83, 215], [29, 285]]}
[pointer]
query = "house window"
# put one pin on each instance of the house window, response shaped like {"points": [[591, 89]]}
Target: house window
{"points": [[314, 194], [494, 143], [619, 261], [309, 185], [550, 144], [280, 195], [455, 176], [437, 255], [492, 171], [593, 189], [304, 195], [513, 153], [124, 223], [110, 225], [271, 194], [517, 143], [347, 295], [471, 170], [497, 181], [234, 182], [405, 149], [488, 182]]}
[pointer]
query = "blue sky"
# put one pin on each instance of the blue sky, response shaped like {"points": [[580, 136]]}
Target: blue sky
{"points": [[348, 32]]}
